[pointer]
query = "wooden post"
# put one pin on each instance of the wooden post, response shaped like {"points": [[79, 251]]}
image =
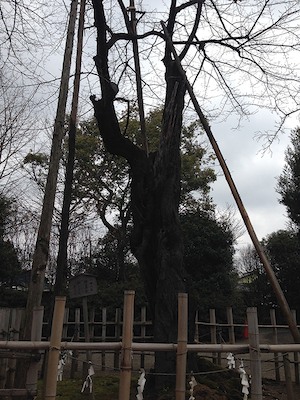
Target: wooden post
{"points": [[126, 361], [255, 357], [103, 334], [86, 336], [74, 364], [13, 333], [288, 377], [54, 350], [65, 326], [181, 347], [36, 335], [143, 333], [4, 335], [231, 325], [296, 355], [196, 337], [117, 337], [275, 341], [92, 324], [213, 332]]}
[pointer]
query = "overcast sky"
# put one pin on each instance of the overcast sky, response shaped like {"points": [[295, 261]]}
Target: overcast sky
{"points": [[253, 171]]}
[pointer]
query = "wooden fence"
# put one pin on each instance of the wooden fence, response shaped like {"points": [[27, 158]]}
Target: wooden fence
{"points": [[212, 339]]}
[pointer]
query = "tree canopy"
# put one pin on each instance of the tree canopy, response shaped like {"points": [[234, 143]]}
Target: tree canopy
{"points": [[289, 181], [10, 267]]}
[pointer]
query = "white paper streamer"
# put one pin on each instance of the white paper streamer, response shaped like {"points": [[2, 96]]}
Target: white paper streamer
{"points": [[62, 362], [192, 384], [230, 361], [244, 381], [60, 369], [88, 383], [141, 384]]}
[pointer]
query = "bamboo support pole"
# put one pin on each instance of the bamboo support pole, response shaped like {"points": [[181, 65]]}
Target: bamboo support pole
{"points": [[181, 347], [288, 377], [126, 361], [258, 247], [254, 351], [54, 349]]}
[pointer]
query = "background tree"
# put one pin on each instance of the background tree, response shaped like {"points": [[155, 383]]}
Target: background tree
{"points": [[10, 266], [253, 283], [283, 248], [208, 260], [289, 181], [103, 180]]}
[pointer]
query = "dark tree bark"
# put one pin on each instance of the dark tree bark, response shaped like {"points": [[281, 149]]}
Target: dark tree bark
{"points": [[156, 239]]}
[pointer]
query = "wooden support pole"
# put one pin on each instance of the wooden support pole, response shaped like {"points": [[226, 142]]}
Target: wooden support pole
{"points": [[14, 330], [196, 337], [36, 335], [126, 361], [86, 335], [213, 332], [181, 347], [275, 341], [54, 350], [74, 365], [296, 354], [117, 337], [288, 377], [231, 334], [255, 357], [4, 335], [103, 335], [143, 333]]}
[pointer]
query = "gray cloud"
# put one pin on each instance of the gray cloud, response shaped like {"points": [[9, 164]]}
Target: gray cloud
{"points": [[253, 172]]}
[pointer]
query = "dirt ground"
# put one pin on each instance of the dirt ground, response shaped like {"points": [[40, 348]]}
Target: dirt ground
{"points": [[278, 391], [272, 390]]}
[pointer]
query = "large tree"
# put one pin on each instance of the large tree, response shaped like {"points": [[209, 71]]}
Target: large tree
{"points": [[10, 266], [289, 181], [283, 249], [228, 46]]}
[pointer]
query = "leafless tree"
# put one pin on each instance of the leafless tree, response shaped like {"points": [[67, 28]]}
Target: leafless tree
{"points": [[240, 57]]}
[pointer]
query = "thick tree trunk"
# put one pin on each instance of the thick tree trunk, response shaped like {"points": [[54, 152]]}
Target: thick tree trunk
{"points": [[156, 239]]}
